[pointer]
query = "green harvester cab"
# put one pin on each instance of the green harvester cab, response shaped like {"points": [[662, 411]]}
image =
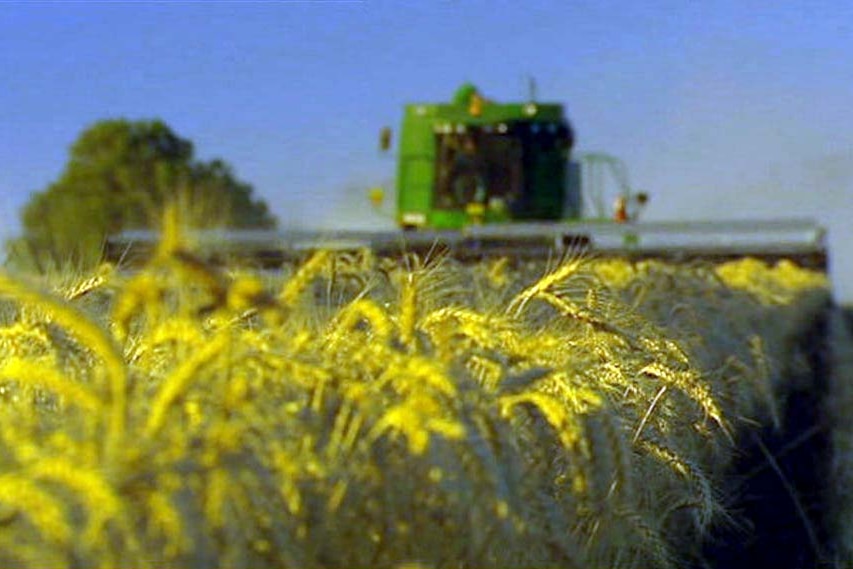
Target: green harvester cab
{"points": [[474, 161]]}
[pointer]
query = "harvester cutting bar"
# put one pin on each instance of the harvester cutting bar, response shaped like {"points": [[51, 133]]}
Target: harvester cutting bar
{"points": [[801, 241]]}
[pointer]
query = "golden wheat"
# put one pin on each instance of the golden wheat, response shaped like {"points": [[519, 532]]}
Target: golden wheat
{"points": [[368, 412]]}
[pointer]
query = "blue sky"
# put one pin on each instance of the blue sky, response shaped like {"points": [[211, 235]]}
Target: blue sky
{"points": [[726, 109]]}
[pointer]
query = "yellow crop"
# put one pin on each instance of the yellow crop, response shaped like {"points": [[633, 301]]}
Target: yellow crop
{"points": [[367, 413]]}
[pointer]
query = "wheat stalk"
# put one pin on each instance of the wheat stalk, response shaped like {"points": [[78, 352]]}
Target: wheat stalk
{"points": [[27, 372], [93, 337], [177, 382], [294, 287]]}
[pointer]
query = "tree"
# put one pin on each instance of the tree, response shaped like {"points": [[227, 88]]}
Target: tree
{"points": [[120, 174]]}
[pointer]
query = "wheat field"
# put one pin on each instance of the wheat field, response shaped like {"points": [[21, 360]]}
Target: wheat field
{"points": [[352, 411]]}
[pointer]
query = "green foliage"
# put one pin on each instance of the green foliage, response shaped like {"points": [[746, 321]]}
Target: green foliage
{"points": [[119, 176]]}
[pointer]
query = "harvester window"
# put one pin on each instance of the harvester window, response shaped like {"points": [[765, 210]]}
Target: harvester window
{"points": [[477, 166]]}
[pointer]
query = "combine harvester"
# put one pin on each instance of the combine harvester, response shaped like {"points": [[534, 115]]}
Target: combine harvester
{"points": [[481, 178]]}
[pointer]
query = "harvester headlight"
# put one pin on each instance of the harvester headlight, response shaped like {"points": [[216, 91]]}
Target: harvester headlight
{"points": [[475, 109], [413, 218], [530, 109], [502, 128], [497, 204], [475, 209]]}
